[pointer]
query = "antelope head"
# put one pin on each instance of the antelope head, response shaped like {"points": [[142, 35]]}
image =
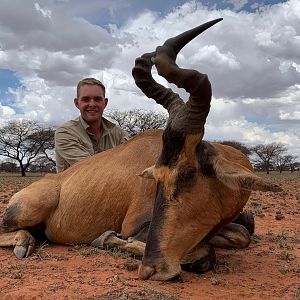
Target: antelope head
{"points": [[176, 170]]}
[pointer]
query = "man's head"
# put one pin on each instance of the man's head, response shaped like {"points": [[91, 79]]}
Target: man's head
{"points": [[89, 81], [91, 99]]}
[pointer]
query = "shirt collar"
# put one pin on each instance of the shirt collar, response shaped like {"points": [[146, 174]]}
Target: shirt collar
{"points": [[106, 125]]}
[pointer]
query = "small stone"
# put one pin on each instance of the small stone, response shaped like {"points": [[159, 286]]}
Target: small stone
{"points": [[279, 215]]}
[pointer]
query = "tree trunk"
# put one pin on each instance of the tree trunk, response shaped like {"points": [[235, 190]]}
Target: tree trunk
{"points": [[268, 169], [22, 170]]}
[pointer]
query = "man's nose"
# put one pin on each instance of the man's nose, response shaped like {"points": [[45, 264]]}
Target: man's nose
{"points": [[92, 102]]}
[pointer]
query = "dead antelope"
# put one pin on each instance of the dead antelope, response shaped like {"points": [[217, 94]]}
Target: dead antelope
{"points": [[192, 192]]}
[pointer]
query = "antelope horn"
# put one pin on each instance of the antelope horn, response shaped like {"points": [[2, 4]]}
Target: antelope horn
{"points": [[173, 45], [189, 117], [144, 80]]}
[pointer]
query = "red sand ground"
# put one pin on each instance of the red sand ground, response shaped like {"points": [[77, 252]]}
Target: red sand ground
{"points": [[268, 269]]}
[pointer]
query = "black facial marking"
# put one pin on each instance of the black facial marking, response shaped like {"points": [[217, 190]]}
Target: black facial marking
{"points": [[142, 234], [173, 142], [142, 224], [153, 243], [205, 153], [185, 180]]}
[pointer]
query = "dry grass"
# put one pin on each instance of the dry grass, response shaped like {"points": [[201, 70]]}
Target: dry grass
{"points": [[274, 248]]}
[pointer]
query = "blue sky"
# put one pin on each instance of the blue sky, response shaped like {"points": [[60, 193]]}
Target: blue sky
{"points": [[251, 57], [9, 79]]}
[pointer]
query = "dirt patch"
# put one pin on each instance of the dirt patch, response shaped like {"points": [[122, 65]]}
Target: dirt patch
{"points": [[268, 269]]}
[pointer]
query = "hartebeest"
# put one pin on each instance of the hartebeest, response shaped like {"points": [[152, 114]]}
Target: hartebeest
{"points": [[198, 189]]}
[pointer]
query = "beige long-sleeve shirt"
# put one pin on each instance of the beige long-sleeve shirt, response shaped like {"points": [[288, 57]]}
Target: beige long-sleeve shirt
{"points": [[73, 142]]}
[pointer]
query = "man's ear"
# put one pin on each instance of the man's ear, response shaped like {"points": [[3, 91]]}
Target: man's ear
{"points": [[76, 102], [106, 101]]}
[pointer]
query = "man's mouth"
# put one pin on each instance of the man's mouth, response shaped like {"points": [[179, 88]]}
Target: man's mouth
{"points": [[92, 111]]}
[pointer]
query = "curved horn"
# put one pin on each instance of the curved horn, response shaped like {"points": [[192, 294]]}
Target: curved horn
{"points": [[144, 80], [192, 116], [173, 45]]}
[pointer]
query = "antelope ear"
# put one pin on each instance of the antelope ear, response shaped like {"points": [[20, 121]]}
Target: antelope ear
{"points": [[148, 173], [236, 176]]}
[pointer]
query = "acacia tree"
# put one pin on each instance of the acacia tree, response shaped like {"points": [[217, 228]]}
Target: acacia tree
{"points": [[281, 162], [8, 166], [24, 140], [265, 154], [290, 161], [46, 152], [137, 120], [240, 146], [43, 164]]}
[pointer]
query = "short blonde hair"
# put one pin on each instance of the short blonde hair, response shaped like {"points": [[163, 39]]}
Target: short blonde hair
{"points": [[90, 81]]}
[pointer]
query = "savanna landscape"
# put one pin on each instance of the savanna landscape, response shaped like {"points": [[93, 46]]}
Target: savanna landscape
{"points": [[268, 269]]}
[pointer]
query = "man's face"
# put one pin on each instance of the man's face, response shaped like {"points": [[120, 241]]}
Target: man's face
{"points": [[91, 102]]}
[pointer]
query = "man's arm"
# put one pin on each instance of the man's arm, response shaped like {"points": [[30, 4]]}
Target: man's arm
{"points": [[121, 136], [124, 137], [69, 149]]}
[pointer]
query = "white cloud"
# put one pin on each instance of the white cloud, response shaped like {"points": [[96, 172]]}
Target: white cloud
{"points": [[57, 48], [212, 55], [6, 111], [251, 58], [295, 115], [226, 121], [46, 13], [6, 114]]}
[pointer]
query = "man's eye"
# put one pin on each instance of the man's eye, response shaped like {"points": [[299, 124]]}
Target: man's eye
{"points": [[99, 99]]}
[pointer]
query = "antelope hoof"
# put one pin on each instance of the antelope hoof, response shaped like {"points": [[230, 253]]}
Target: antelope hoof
{"points": [[107, 239], [246, 218], [20, 251], [202, 265], [232, 236], [24, 245]]}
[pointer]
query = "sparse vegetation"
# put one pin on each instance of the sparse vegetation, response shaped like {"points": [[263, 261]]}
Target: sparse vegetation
{"points": [[55, 286], [284, 269], [89, 251], [281, 239], [256, 207], [82, 272], [223, 265], [286, 256], [118, 253], [17, 275], [40, 251], [142, 293], [217, 280]]}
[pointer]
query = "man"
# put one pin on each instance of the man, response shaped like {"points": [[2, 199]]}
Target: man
{"points": [[90, 133]]}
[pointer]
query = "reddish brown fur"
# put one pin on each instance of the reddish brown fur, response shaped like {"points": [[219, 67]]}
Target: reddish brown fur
{"points": [[106, 185], [199, 210], [196, 212], [104, 193], [75, 204]]}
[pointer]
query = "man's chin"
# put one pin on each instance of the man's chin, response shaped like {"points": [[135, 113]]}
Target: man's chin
{"points": [[92, 119]]}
